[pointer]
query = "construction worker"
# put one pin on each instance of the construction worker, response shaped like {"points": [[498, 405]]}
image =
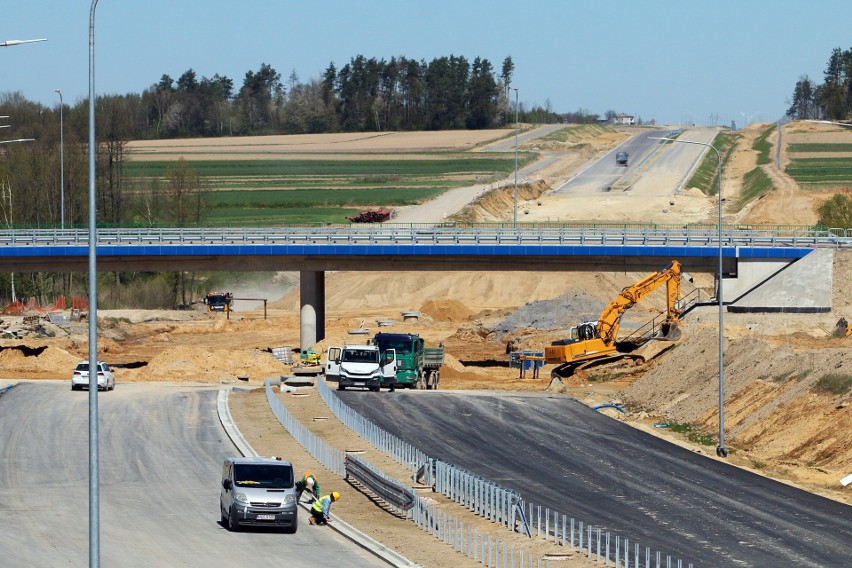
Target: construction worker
{"points": [[321, 510], [309, 482]]}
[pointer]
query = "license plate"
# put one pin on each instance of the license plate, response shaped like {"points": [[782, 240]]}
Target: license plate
{"points": [[266, 517], [359, 384]]}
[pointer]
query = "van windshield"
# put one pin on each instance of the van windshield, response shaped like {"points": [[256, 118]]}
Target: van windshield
{"points": [[360, 356], [262, 475]]}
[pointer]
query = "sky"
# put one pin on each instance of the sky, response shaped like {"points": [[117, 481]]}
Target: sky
{"points": [[674, 62]]}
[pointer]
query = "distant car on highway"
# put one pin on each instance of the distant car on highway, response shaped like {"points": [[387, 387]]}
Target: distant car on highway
{"points": [[621, 159], [80, 378]]}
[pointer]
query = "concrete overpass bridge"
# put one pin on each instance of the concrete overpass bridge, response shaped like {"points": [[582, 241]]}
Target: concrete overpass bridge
{"points": [[750, 257]]}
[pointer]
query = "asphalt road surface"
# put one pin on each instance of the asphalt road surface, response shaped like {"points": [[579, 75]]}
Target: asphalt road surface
{"points": [[652, 168], [161, 453], [563, 455]]}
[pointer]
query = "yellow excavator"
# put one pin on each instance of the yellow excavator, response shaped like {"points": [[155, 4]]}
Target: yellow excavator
{"points": [[594, 343]]}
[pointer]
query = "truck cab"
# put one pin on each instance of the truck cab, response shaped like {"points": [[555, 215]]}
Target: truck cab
{"points": [[361, 366]]}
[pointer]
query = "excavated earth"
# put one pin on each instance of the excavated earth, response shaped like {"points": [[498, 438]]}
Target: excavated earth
{"points": [[779, 423]]}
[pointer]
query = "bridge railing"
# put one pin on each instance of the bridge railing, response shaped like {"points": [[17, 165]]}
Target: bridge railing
{"points": [[731, 236]]}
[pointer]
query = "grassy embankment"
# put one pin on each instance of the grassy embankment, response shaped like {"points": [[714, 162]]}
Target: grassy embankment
{"points": [[280, 192], [706, 176]]}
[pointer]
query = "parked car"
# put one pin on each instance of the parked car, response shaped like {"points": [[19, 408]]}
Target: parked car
{"points": [[80, 378], [258, 491]]}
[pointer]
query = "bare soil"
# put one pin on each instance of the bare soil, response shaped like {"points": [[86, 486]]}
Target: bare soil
{"points": [[778, 422]]}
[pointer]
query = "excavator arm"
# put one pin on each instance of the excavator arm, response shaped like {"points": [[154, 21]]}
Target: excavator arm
{"points": [[610, 318]]}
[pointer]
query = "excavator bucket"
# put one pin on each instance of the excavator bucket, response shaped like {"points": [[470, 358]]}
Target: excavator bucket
{"points": [[669, 331]]}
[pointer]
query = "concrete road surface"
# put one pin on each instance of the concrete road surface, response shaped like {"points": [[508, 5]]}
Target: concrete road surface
{"points": [[652, 169], [565, 456], [161, 455]]}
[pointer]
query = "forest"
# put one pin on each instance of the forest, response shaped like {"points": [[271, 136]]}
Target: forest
{"points": [[831, 100]]}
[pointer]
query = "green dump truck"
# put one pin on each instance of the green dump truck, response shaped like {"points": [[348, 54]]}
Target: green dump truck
{"points": [[417, 366]]}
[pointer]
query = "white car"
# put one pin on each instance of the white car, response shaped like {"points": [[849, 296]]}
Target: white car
{"points": [[80, 378]]}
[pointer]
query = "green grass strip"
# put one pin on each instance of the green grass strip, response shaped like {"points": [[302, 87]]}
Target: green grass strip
{"points": [[834, 383], [706, 176], [762, 146], [824, 148], [458, 164], [821, 170], [266, 199], [755, 183]]}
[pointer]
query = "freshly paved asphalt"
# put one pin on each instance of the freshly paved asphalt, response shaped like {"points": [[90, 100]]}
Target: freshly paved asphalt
{"points": [[161, 453], [565, 456]]}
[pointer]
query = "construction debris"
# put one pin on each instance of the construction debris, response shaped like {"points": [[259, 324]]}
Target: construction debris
{"points": [[371, 216]]}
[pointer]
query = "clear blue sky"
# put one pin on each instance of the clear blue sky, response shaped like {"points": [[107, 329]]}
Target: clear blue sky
{"points": [[672, 61]]}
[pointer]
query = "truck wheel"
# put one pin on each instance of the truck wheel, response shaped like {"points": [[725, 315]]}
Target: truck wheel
{"points": [[340, 387]]}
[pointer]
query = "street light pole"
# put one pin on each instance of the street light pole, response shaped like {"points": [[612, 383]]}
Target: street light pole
{"points": [[61, 163], [721, 450], [94, 495], [515, 210], [11, 42]]}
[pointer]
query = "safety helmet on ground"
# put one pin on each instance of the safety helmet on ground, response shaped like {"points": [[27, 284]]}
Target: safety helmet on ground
{"points": [[335, 495], [310, 482]]}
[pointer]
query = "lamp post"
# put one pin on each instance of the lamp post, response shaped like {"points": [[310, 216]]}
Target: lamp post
{"points": [[61, 163], [11, 42], [515, 210], [94, 496], [721, 450]]}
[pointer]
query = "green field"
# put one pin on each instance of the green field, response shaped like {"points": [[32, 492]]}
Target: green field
{"points": [[821, 172], [823, 148], [269, 192]]}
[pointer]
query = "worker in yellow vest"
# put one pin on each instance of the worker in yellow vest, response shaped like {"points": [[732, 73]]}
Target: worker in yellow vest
{"points": [[321, 510]]}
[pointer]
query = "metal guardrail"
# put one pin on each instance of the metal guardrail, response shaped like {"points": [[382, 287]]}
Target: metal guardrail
{"points": [[338, 462], [404, 453], [393, 492], [330, 457], [490, 500], [450, 236]]}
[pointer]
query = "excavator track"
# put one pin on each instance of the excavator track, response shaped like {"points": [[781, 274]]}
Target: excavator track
{"points": [[566, 370]]}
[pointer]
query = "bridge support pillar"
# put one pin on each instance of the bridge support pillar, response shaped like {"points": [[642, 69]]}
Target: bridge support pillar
{"points": [[312, 308]]}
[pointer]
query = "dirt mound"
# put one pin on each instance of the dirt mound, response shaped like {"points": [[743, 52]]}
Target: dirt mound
{"points": [[223, 365], [40, 361], [446, 310]]}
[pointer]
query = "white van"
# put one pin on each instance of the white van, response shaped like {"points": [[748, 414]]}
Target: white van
{"points": [[259, 492], [361, 366]]}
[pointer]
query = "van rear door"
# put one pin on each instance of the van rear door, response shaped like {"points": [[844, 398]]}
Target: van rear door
{"points": [[332, 363]]}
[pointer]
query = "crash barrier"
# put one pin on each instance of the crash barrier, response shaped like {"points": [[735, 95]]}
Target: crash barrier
{"points": [[481, 546], [330, 457], [496, 503], [481, 496], [449, 234], [404, 453], [594, 542], [393, 492]]}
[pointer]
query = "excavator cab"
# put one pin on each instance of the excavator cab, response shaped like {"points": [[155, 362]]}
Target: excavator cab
{"points": [[582, 332]]}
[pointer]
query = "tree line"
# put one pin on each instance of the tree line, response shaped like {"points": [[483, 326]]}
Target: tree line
{"points": [[831, 100], [363, 95]]}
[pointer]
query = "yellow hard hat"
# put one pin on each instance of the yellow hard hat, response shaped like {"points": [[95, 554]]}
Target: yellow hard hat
{"points": [[335, 495]]}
